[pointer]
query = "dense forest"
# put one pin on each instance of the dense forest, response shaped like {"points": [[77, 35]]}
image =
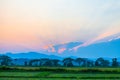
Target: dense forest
{"points": [[66, 62]]}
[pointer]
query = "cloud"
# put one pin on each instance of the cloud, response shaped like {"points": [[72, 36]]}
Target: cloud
{"points": [[58, 21], [49, 48], [60, 50], [98, 38]]}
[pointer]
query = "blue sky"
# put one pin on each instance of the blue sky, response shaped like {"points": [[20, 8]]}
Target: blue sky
{"points": [[27, 25]]}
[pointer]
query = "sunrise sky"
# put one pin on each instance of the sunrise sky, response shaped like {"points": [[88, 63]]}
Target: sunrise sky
{"points": [[32, 25]]}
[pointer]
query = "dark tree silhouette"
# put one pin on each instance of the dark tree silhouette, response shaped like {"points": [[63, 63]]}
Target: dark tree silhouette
{"points": [[90, 63], [47, 62], [79, 61], [35, 62], [101, 62], [5, 60], [55, 62], [68, 62], [25, 63], [85, 62], [114, 62], [106, 63]]}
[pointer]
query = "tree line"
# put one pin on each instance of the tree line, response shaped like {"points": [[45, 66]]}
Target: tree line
{"points": [[66, 62]]}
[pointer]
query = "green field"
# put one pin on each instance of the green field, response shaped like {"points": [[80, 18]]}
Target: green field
{"points": [[59, 73]]}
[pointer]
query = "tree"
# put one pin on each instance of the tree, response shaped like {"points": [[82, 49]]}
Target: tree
{"points": [[90, 63], [101, 62], [106, 63], [79, 61], [68, 62], [114, 62], [40, 62], [25, 63], [30, 63], [47, 62], [85, 62], [5, 60], [35, 62], [98, 62], [55, 62]]}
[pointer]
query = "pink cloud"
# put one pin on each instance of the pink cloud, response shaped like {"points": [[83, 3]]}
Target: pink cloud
{"points": [[101, 36], [49, 48], [61, 50]]}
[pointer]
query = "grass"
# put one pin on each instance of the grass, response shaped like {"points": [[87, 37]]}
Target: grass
{"points": [[49, 79], [24, 74], [58, 73]]}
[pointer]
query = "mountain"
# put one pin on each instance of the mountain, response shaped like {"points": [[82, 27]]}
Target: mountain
{"points": [[32, 55], [108, 49]]}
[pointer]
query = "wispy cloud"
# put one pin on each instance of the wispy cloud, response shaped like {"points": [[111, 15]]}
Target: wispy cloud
{"points": [[94, 40], [61, 50], [49, 48]]}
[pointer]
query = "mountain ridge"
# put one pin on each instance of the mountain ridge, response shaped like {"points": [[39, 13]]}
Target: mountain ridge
{"points": [[102, 49]]}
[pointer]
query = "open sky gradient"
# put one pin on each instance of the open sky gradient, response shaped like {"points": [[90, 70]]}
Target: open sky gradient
{"points": [[32, 25]]}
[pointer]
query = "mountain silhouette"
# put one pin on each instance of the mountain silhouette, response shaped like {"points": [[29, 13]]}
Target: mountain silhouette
{"points": [[102, 49]]}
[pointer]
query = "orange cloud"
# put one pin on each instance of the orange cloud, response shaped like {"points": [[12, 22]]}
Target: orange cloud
{"points": [[61, 50], [49, 48]]}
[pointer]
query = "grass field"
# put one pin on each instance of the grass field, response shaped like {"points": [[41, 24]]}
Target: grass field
{"points": [[59, 73]]}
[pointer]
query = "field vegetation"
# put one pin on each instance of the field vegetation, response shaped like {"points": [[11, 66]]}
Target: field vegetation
{"points": [[58, 73], [53, 69]]}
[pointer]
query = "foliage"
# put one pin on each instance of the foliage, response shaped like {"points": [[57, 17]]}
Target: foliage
{"points": [[5, 60], [114, 62], [66, 62]]}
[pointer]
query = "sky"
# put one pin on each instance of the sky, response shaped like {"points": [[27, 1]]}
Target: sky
{"points": [[33, 25]]}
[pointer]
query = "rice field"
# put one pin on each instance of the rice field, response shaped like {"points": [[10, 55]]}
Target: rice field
{"points": [[59, 73]]}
